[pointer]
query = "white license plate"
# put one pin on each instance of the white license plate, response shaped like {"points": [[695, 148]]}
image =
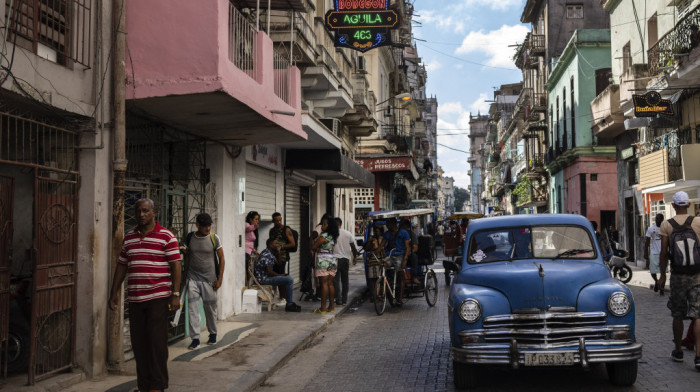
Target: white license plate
{"points": [[549, 359]]}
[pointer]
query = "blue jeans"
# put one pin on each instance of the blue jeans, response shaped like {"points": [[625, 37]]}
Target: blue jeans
{"points": [[286, 281]]}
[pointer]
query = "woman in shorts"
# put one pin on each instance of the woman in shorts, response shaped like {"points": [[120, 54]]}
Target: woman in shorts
{"points": [[326, 264]]}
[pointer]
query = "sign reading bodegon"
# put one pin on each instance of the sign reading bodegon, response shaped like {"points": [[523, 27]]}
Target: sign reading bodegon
{"points": [[651, 104], [362, 24]]}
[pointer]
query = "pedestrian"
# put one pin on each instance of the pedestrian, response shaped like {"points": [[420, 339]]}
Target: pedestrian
{"points": [[314, 254], [344, 251], [326, 263], [150, 255], [204, 270], [283, 235], [652, 249], [266, 275], [412, 251], [398, 243], [252, 222], [679, 235], [613, 233]]}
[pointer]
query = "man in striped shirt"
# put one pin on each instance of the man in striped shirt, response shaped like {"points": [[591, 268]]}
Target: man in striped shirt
{"points": [[151, 256]]}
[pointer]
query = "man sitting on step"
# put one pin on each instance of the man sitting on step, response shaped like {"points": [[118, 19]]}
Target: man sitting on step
{"points": [[265, 274]]}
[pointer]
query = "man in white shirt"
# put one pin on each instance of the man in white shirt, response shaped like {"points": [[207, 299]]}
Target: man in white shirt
{"points": [[652, 249], [344, 251]]}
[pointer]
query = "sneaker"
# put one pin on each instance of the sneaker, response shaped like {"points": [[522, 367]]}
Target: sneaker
{"points": [[677, 356], [194, 344], [281, 302], [656, 287], [697, 363], [212, 339], [292, 308]]}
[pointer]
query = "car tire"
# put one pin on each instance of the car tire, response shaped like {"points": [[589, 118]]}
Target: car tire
{"points": [[622, 373], [18, 347], [464, 375]]}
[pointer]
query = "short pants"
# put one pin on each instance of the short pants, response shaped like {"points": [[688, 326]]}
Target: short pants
{"points": [[684, 300]]}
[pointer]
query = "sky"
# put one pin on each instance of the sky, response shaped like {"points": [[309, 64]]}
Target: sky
{"points": [[467, 48]]}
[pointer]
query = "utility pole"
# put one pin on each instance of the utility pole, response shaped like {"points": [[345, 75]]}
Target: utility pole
{"points": [[115, 349]]}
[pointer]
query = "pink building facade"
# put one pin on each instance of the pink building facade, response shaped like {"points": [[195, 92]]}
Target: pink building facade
{"points": [[591, 189]]}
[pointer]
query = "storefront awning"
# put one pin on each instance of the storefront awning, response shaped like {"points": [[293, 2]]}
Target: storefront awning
{"points": [[392, 163], [331, 166]]}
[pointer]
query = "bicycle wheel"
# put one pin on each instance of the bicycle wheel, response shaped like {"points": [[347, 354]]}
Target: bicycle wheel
{"points": [[390, 294], [431, 288], [379, 294]]}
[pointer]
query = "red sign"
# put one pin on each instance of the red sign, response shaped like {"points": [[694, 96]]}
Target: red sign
{"points": [[385, 164]]}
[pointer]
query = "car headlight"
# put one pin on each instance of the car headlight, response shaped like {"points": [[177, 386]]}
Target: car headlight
{"points": [[619, 304], [470, 310]]}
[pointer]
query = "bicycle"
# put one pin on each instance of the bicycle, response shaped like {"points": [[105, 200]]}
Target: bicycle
{"points": [[384, 291]]}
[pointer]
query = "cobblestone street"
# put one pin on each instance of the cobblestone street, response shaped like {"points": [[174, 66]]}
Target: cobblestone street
{"points": [[408, 349]]}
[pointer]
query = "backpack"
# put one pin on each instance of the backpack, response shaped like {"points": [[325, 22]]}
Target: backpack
{"points": [[685, 248], [213, 242], [295, 234]]}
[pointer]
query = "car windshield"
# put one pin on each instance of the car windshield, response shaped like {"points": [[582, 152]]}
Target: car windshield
{"points": [[527, 242]]}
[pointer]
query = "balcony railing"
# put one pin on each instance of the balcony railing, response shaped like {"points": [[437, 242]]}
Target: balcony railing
{"points": [[681, 40], [62, 26], [539, 102], [282, 75], [241, 42], [537, 44]]}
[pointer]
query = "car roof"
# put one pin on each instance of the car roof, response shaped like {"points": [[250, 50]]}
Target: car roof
{"points": [[528, 220]]}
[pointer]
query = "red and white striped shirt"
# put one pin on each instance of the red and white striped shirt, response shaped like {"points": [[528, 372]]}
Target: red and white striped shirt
{"points": [[148, 263]]}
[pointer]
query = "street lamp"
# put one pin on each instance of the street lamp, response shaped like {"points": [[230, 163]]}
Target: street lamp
{"points": [[403, 97]]}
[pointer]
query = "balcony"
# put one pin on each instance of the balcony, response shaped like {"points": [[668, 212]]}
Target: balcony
{"points": [[669, 159], [536, 166], [676, 52], [539, 103], [530, 194], [304, 42], [632, 81], [360, 119], [609, 120], [323, 91], [229, 87], [537, 45]]}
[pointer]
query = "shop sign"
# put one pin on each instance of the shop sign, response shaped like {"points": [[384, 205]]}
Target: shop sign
{"points": [[385, 164], [266, 155], [651, 104], [362, 24], [627, 153]]}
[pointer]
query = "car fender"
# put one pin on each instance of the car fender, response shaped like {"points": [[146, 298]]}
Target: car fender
{"points": [[492, 302], [594, 298]]}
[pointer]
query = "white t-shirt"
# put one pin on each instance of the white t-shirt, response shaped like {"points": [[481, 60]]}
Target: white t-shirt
{"points": [[654, 233], [342, 247]]}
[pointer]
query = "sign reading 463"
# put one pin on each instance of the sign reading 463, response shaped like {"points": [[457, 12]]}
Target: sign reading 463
{"points": [[362, 25]]}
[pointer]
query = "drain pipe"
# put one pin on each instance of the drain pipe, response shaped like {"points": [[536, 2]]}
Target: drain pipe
{"points": [[115, 349]]}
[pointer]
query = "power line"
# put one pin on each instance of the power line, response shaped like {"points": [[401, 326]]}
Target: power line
{"points": [[440, 144]]}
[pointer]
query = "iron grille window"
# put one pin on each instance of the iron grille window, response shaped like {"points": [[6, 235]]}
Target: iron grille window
{"points": [[57, 30]]}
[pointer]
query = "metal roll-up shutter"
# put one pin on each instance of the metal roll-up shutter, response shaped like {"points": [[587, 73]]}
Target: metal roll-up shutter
{"points": [[292, 201], [260, 192]]}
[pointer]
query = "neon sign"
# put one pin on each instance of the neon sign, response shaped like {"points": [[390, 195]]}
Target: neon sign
{"points": [[362, 24]]}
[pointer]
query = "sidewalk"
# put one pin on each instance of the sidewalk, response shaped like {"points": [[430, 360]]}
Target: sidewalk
{"points": [[264, 342]]}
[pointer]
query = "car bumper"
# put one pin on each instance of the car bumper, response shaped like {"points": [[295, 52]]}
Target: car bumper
{"points": [[584, 353]]}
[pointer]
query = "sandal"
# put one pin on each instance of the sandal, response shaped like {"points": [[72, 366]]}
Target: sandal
{"points": [[319, 311]]}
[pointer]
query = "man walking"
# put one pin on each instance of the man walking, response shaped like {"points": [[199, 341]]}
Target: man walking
{"points": [[652, 249], [204, 268], [344, 251], [265, 274], [151, 257], [283, 235], [679, 235]]}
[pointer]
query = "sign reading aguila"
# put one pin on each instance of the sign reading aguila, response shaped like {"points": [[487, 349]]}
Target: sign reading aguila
{"points": [[362, 24], [651, 104]]}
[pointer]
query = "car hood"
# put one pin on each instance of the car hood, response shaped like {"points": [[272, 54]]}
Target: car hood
{"points": [[526, 289]]}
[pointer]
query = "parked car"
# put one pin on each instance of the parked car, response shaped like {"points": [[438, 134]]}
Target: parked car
{"points": [[534, 290]]}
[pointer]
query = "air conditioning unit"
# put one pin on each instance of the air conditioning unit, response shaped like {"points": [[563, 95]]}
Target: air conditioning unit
{"points": [[333, 124], [361, 64]]}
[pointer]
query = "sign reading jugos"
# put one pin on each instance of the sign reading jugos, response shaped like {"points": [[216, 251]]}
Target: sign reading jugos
{"points": [[362, 24]]}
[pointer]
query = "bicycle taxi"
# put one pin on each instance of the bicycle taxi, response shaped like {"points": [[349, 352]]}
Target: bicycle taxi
{"points": [[385, 288], [451, 242]]}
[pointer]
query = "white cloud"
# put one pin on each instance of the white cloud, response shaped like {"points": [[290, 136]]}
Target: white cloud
{"points": [[433, 65], [500, 5], [495, 44], [445, 21], [480, 105], [448, 108]]}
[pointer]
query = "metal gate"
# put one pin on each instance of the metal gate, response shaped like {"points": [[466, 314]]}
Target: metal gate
{"points": [[54, 286], [6, 198]]}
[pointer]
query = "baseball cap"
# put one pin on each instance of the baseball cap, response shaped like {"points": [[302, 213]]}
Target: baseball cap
{"points": [[681, 199]]}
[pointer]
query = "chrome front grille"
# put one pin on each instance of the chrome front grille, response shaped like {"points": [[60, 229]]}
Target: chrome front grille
{"points": [[552, 328]]}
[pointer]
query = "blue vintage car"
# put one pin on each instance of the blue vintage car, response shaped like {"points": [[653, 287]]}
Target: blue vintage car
{"points": [[533, 290]]}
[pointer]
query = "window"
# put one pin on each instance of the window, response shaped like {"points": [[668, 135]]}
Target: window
{"points": [[557, 127], [653, 32], [574, 11], [594, 177], [626, 57], [57, 30], [573, 116], [565, 136]]}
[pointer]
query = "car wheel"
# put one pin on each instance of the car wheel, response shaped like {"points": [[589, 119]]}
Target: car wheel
{"points": [[622, 373], [17, 348], [464, 375]]}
